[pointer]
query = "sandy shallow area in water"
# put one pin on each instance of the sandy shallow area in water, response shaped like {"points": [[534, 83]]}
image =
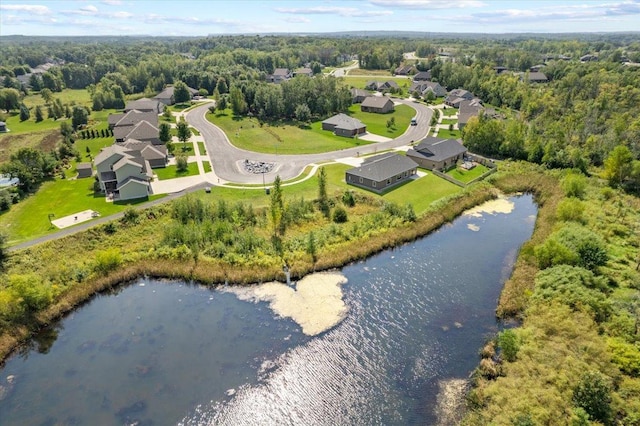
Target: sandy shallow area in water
{"points": [[499, 205], [315, 302]]}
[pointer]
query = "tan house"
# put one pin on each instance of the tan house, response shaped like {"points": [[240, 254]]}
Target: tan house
{"points": [[377, 104], [437, 154], [343, 125]]}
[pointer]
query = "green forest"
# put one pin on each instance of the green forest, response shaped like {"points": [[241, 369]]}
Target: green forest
{"points": [[571, 352]]}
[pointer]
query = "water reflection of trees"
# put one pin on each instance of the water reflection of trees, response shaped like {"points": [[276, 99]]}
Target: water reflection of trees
{"points": [[41, 342]]}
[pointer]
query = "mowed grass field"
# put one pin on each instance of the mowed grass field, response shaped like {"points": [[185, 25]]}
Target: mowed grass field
{"points": [[247, 133], [61, 197], [467, 175]]}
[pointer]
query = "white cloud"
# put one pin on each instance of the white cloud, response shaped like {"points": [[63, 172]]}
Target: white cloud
{"points": [[27, 8], [297, 20], [112, 2], [119, 15], [333, 10], [428, 4], [85, 10]]}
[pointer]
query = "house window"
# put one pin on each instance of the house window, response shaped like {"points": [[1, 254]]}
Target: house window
{"points": [[349, 178], [361, 180], [375, 184], [388, 181], [399, 177]]}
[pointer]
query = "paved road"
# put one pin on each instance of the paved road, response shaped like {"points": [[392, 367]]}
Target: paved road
{"points": [[227, 160]]}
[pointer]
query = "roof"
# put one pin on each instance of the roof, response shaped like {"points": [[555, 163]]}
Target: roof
{"points": [[376, 101], [383, 167], [282, 72], [135, 116], [146, 149], [359, 92], [134, 180], [422, 75], [145, 104], [304, 71], [112, 119], [108, 152], [141, 131], [168, 91], [83, 166], [343, 121], [129, 159], [537, 76], [467, 110], [437, 149]]}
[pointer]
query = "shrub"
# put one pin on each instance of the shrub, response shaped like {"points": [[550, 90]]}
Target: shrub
{"points": [[30, 291], [107, 260], [574, 185], [593, 394], [340, 215], [131, 216], [570, 209], [182, 164], [508, 344], [347, 199], [572, 245]]}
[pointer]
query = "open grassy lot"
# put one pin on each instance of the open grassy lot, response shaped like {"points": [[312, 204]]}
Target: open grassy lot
{"points": [[67, 96], [377, 123], [467, 175], [246, 133], [45, 140], [171, 172], [449, 134], [29, 218]]}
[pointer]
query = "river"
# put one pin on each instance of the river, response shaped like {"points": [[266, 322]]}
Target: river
{"points": [[408, 326]]}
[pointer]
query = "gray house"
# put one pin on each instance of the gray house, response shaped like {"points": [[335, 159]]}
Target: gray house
{"points": [[343, 125], [382, 172], [381, 86], [456, 96], [145, 105], [468, 109], [122, 173], [358, 95], [422, 76], [423, 87], [377, 104], [167, 97], [437, 154]]}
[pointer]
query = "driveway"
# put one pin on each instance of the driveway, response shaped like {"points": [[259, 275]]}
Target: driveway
{"points": [[226, 159]]}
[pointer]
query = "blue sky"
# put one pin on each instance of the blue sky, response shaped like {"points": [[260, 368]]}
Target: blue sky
{"points": [[201, 18]]}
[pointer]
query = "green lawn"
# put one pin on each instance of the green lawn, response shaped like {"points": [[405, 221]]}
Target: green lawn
{"points": [[449, 134], [207, 166], [421, 192], [183, 148], [95, 145], [62, 197], [67, 96], [467, 175], [449, 111], [201, 148], [377, 123], [28, 126], [246, 133], [449, 121], [171, 172]]}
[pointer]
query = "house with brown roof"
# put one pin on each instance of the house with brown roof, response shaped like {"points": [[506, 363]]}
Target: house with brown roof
{"points": [[156, 155], [422, 76], [305, 71], [382, 86], [423, 87], [468, 109], [377, 104], [456, 96], [279, 75], [382, 172], [142, 131], [343, 125], [405, 70], [436, 153]]}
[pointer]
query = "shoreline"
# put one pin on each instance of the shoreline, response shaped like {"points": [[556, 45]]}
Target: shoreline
{"points": [[214, 273]]}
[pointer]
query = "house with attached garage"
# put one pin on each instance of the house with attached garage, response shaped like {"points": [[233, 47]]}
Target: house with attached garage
{"points": [[358, 95], [145, 105], [422, 76], [423, 87], [167, 95], [343, 125], [382, 86], [456, 96], [377, 104], [123, 174], [279, 75], [382, 172], [437, 154]]}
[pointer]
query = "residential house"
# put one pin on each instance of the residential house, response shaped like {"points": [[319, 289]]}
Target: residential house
{"points": [[3, 127], [358, 95], [468, 109], [131, 118], [145, 105], [156, 155], [500, 70], [382, 172], [343, 125], [588, 58], [122, 173], [308, 72], [167, 97], [537, 77], [279, 75], [423, 87], [436, 153], [377, 104], [405, 70], [381, 86], [422, 76], [84, 170], [456, 96]]}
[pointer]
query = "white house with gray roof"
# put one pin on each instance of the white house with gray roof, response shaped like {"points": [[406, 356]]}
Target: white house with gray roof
{"points": [[382, 172], [123, 173]]}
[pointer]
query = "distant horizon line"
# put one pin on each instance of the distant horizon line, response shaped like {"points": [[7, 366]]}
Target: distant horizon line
{"points": [[351, 32]]}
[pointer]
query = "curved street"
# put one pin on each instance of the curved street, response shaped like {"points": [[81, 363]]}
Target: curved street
{"points": [[226, 159]]}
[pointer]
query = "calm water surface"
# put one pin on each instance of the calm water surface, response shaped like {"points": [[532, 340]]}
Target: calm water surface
{"points": [[159, 353]]}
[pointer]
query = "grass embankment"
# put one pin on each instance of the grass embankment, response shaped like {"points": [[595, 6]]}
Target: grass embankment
{"points": [[466, 176], [575, 359], [107, 255]]}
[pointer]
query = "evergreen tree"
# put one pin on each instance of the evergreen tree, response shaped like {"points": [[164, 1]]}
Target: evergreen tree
{"points": [[25, 114], [323, 199], [38, 114]]}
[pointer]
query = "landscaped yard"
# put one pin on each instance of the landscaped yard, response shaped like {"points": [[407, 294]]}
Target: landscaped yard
{"points": [[201, 148], [449, 134], [246, 133], [449, 111], [467, 175], [171, 172], [449, 121], [62, 197], [207, 166]]}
